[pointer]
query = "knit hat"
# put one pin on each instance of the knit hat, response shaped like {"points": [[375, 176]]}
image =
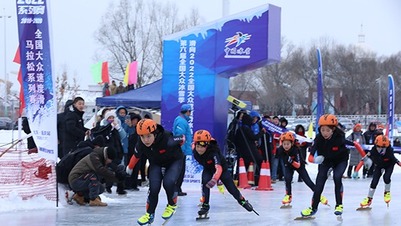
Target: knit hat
{"points": [[110, 113], [357, 127], [111, 152]]}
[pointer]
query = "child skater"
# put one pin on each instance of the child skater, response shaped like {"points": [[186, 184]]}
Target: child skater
{"points": [[291, 157], [165, 161], [382, 155], [207, 153], [329, 148]]}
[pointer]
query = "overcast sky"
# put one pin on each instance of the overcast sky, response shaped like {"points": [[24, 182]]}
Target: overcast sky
{"points": [[74, 23]]}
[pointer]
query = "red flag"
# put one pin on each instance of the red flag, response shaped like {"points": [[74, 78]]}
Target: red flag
{"points": [[105, 72], [17, 59]]}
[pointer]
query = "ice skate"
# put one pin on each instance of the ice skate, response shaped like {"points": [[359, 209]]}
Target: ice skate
{"points": [[169, 211], [203, 212], [365, 204], [244, 203], [338, 210], [146, 219], [307, 214], [387, 198], [286, 202], [324, 201]]}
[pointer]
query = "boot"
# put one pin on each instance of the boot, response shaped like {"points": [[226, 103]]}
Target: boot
{"points": [[80, 200], [366, 202], [308, 212], [244, 203], [169, 211], [204, 209], [97, 202], [287, 199], [338, 210], [387, 197], [146, 219]]}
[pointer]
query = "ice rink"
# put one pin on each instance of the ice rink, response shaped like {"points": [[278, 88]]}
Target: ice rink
{"points": [[224, 209]]}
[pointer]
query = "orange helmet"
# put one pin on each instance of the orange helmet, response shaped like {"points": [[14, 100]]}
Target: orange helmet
{"points": [[146, 126], [328, 120], [202, 135], [287, 136], [382, 141]]}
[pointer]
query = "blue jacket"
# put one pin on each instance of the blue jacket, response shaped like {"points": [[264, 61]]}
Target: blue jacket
{"points": [[124, 139], [181, 127]]}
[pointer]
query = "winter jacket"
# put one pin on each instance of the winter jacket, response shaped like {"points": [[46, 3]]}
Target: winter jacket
{"points": [[74, 130], [382, 161], [333, 149], [293, 153], [93, 163], [164, 150], [355, 157], [124, 126], [210, 158], [181, 127]]}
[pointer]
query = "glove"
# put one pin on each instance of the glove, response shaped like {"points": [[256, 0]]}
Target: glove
{"points": [[367, 163], [399, 163], [319, 159], [355, 175], [128, 170], [289, 159], [211, 183], [221, 188]]}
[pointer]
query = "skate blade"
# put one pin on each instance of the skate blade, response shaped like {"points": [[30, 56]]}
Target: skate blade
{"points": [[304, 218], [363, 208], [166, 221], [286, 207], [340, 218], [202, 218]]}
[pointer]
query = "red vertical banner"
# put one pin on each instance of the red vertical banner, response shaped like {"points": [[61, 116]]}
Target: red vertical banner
{"points": [[105, 72]]}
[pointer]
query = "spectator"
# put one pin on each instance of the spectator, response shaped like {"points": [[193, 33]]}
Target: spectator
{"points": [[120, 88], [302, 146], [181, 127], [357, 136], [74, 126], [87, 174], [132, 182], [113, 88], [61, 127], [106, 90], [370, 136]]}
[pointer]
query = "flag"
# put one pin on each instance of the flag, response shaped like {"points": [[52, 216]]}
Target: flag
{"points": [[390, 108], [100, 72], [309, 134], [319, 89], [37, 76], [17, 59], [131, 73]]}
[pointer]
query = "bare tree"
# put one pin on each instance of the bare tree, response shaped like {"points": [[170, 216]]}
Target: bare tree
{"points": [[134, 30]]}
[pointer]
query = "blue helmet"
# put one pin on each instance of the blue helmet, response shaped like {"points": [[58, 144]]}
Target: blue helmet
{"points": [[186, 107]]}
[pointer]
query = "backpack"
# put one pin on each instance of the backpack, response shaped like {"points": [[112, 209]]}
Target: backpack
{"points": [[64, 167]]}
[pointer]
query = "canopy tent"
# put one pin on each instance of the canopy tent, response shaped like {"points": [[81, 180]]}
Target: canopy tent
{"points": [[148, 96]]}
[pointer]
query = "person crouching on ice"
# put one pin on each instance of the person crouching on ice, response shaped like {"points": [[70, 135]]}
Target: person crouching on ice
{"points": [[207, 153], [329, 146], [165, 161], [382, 155], [290, 155]]}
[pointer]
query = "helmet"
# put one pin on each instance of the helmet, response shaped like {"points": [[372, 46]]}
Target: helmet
{"points": [[287, 136], [382, 141], [145, 126], [328, 120], [202, 135], [186, 107]]}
